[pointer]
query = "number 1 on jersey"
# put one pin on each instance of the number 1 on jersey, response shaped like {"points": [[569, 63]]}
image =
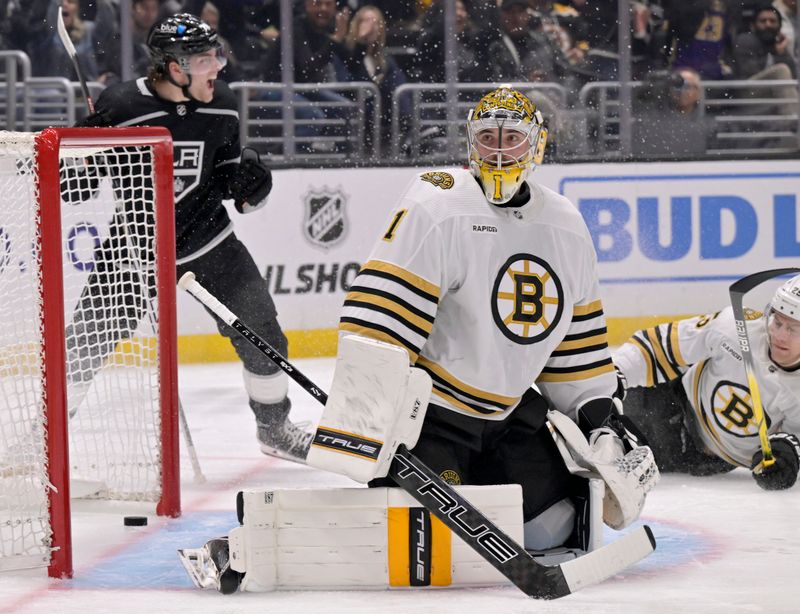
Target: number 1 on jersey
{"points": [[389, 236]]}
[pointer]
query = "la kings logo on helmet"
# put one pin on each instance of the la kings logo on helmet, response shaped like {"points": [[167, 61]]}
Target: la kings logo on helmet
{"points": [[324, 223]]}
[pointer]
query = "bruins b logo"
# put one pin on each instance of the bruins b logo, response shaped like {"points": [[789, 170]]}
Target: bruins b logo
{"points": [[732, 409], [527, 299], [439, 179]]}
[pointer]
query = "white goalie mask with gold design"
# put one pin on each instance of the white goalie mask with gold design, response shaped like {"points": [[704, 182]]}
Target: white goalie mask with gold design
{"points": [[505, 140]]}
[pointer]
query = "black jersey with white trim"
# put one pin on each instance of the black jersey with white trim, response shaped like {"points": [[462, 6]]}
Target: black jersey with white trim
{"points": [[206, 152]]}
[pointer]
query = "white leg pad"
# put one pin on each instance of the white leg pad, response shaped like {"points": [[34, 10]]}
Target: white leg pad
{"points": [[358, 538], [377, 402]]}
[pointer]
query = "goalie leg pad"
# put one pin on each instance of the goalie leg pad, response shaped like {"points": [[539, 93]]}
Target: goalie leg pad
{"points": [[377, 402], [364, 538]]}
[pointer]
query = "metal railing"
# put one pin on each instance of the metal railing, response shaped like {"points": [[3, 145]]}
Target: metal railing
{"points": [[743, 117], [342, 124], [16, 70], [424, 136]]}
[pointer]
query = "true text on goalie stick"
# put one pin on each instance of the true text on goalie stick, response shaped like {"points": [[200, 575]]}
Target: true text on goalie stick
{"points": [[502, 552], [737, 291]]}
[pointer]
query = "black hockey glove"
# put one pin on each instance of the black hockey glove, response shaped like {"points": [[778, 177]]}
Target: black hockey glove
{"points": [[782, 474], [250, 185], [98, 119], [601, 414]]}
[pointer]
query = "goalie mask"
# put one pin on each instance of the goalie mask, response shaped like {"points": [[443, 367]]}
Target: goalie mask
{"points": [[506, 142], [783, 324], [185, 39]]}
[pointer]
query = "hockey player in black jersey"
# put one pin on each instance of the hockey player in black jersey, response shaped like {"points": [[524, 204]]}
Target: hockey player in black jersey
{"points": [[181, 92]]}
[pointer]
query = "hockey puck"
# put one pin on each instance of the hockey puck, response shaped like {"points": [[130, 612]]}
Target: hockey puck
{"points": [[135, 521]]}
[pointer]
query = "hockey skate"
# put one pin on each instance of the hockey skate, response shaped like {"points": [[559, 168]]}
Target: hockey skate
{"points": [[209, 566], [284, 439]]}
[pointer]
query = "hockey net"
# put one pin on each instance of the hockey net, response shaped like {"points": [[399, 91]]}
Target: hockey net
{"points": [[88, 397]]}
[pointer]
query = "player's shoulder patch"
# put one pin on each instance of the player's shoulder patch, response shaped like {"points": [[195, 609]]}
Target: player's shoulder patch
{"points": [[440, 179], [752, 314]]}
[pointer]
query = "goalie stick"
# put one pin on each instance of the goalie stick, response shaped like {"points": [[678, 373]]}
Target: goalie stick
{"points": [[737, 291], [458, 514]]}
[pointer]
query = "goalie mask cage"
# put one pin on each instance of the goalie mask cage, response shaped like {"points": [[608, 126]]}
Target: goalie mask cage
{"points": [[88, 391]]}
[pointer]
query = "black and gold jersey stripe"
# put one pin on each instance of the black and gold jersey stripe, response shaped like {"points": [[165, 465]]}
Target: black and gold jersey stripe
{"points": [[576, 372], [391, 304], [661, 350], [583, 352], [463, 395], [399, 275]]}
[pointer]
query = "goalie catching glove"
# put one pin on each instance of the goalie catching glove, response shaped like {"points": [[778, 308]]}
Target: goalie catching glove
{"points": [[614, 452], [250, 185], [782, 474]]}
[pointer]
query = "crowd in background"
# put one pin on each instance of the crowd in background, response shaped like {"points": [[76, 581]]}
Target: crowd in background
{"points": [[675, 44]]}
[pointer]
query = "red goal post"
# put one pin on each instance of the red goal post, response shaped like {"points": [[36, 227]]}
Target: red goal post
{"points": [[88, 364]]}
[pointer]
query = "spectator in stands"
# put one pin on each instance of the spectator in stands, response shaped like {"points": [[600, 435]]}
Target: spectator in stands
{"points": [[51, 59], [366, 60], [669, 117], [763, 54], [144, 13], [788, 11], [472, 45], [232, 72], [250, 26], [699, 36], [523, 52], [318, 33], [601, 36], [765, 48]]}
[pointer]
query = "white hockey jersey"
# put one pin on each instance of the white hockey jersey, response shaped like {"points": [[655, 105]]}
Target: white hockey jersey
{"points": [[705, 352], [487, 299]]}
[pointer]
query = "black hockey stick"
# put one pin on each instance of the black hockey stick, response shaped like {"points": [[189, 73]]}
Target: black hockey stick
{"points": [[737, 291], [458, 514], [73, 55]]}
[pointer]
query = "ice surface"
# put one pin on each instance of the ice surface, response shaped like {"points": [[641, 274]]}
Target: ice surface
{"points": [[724, 545]]}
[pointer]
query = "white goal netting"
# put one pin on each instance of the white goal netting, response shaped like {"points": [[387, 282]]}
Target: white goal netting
{"points": [[112, 343]]}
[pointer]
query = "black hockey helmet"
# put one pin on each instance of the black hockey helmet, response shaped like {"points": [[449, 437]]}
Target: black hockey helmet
{"points": [[177, 37]]}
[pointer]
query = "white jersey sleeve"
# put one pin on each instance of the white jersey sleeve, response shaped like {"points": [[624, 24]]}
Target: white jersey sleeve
{"points": [[579, 369], [662, 353], [396, 294]]}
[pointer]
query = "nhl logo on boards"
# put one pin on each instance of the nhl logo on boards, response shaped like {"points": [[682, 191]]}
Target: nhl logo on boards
{"points": [[324, 223]]}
